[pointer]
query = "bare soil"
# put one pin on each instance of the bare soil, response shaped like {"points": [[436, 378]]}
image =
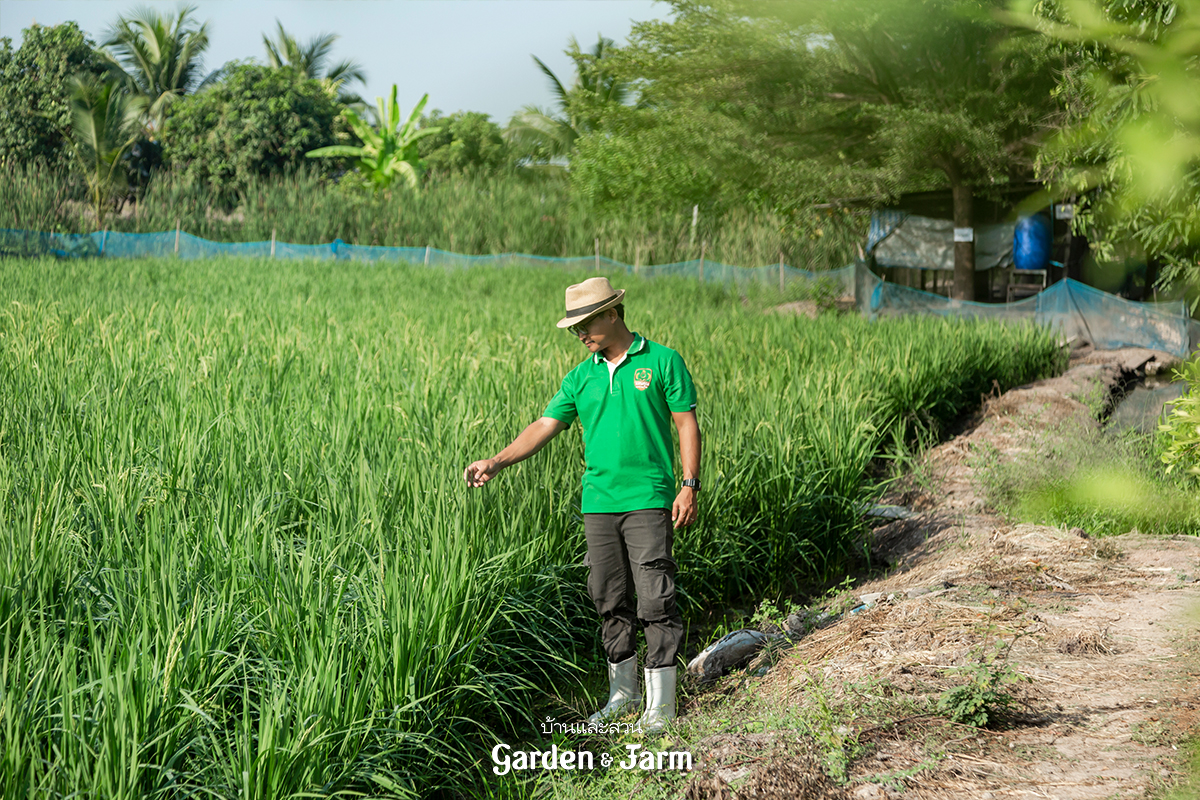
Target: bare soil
{"points": [[1098, 633]]}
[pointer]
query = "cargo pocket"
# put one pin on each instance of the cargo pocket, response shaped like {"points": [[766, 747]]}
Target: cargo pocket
{"points": [[656, 590]]}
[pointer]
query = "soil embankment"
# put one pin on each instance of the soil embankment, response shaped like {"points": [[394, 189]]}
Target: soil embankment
{"points": [[1092, 637]]}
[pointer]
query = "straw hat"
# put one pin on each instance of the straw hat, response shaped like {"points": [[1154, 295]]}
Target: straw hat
{"points": [[590, 297]]}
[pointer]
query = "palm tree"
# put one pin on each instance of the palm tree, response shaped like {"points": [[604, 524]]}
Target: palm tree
{"points": [[105, 122], [161, 58], [550, 135], [309, 60]]}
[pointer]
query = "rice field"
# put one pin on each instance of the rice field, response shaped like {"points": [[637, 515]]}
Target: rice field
{"points": [[237, 557]]}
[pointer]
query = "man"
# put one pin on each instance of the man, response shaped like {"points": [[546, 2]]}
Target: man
{"points": [[625, 396]]}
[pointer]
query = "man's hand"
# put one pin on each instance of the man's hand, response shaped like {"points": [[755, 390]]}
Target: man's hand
{"points": [[683, 510], [480, 472], [532, 439]]}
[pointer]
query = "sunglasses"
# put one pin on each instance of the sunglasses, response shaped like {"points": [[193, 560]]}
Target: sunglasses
{"points": [[580, 328]]}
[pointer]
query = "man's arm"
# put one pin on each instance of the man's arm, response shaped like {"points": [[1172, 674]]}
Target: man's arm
{"points": [[530, 440], [683, 510]]}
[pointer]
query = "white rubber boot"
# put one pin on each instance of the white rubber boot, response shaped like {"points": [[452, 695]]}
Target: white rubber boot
{"points": [[623, 694], [660, 700]]}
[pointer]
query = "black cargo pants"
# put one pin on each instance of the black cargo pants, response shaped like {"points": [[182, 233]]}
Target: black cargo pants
{"points": [[631, 553]]}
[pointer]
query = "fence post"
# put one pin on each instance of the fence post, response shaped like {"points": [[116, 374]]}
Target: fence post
{"points": [[597, 254], [272, 242], [637, 258], [103, 240], [695, 219], [178, 224], [427, 255], [702, 246], [781, 272]]}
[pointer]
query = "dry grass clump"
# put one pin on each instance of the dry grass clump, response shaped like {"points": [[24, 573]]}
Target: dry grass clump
{"points": [[913, 630], [1084, 642], [1028, 557], [1108, 551], [761, 766]]}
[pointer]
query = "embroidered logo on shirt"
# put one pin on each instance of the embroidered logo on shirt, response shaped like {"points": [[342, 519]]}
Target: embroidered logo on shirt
{"points": [[641, 378]]}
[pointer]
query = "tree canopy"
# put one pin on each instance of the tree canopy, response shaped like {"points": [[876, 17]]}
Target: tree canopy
{"points": [[311, 59], [35, 114], [256, 121], [808, 101], [784, 107], [1128, 141], [467, 143], [161, 58], [546, 137]]}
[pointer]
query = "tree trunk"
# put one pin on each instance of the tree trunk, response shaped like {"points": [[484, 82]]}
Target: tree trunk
{"points": [[964, 252], [1153, 264]]}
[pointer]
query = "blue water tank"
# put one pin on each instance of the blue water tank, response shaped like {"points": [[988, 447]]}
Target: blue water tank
{"points": [[1032, 242]]}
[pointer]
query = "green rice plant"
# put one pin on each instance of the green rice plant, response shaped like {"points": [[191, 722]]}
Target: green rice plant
{"points": [[238, 559]]}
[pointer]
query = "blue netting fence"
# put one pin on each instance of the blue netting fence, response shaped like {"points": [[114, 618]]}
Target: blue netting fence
{"points": [[1074, 309], [182, 245]]}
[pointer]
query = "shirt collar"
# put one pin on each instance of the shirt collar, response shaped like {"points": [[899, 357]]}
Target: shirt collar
{"points": [[638, 343]]}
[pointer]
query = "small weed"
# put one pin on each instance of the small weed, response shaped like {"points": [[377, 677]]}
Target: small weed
{"points": [[1180, 431], [840, 598], [1096, 399], [879, 698], [768, 618], [1108, 551], [828, 724], [895, 780], [984, 698], [1154, 733], [825, 293]]}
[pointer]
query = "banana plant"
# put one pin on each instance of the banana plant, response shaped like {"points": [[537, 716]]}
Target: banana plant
{"points": [[390, 152]]}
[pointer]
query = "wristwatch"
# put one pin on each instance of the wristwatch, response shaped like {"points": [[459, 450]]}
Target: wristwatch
{"points": [[692, 483]]}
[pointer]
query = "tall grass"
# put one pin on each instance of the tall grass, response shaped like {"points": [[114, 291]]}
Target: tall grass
{"points": [[1105, 481], [237, 557], [504, 214]]}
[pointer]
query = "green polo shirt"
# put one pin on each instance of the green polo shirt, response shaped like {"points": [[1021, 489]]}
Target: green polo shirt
{"points": [[626, 425]]}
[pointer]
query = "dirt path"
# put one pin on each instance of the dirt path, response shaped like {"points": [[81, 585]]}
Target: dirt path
{"points": [[1098, 635]]}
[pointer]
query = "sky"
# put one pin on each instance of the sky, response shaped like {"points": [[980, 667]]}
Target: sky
{"points": [[471, 55]]}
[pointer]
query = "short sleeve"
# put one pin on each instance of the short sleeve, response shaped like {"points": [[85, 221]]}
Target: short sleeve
{"points": [[681, 393], [562, 405]]}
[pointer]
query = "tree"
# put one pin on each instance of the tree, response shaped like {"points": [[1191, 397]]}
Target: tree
{"points": [[1129, 141], [545, 135], [256, 121], [940, 84], [882, 95], [160, 57], [665, 160], [467, 143], [105, 123], [386, 154], [310, 60], [35, 113]]}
